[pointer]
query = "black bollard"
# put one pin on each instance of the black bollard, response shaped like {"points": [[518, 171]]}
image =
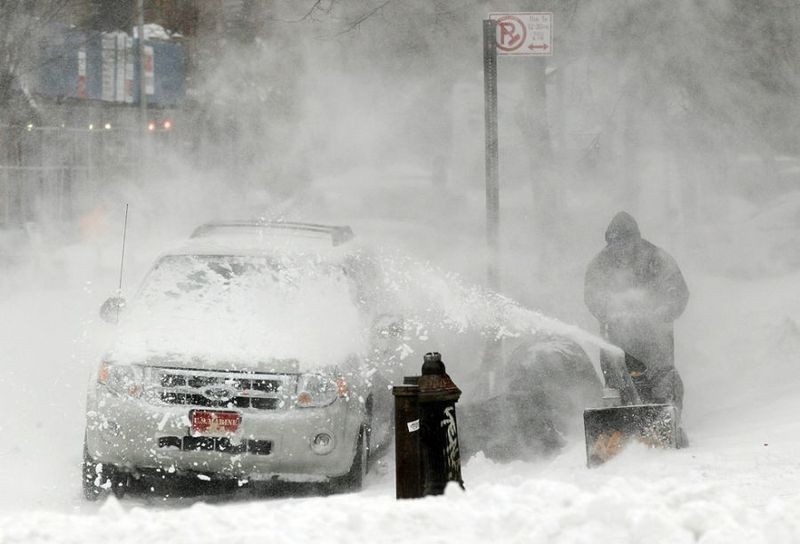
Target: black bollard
{"points": [[441, 458], [408, 458]]}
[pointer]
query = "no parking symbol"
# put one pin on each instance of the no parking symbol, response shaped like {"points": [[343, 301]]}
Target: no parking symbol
{"points": [[529, 34]]}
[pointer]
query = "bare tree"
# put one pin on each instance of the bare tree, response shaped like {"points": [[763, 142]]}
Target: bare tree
{"points": [[23, 26]]}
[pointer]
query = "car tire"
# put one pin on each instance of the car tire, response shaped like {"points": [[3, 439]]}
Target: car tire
{"points": [[188, 485], [89, 477], [93, 477], [101, 478], [120, 483]]}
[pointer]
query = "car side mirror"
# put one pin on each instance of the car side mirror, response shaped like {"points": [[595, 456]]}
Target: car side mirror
{"points": [[111, 309]]}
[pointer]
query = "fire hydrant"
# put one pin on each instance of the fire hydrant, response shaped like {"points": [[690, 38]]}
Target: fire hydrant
{"points": [[426, 432]]}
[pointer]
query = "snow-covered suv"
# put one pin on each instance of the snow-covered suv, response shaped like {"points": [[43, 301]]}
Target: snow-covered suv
{"points": [[245, 355]]}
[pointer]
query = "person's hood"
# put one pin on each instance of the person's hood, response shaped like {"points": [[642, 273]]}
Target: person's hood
{"points": [[622, 228]]}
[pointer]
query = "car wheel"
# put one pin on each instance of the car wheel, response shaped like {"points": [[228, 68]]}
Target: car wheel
{"points": [[120, 483], [101, 478], [94, 477]]}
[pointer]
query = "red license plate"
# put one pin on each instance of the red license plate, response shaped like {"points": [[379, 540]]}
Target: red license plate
{"points": [[214, 422]]}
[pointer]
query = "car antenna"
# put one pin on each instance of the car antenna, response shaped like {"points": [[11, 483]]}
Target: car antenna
{"points": [[122, 258]]}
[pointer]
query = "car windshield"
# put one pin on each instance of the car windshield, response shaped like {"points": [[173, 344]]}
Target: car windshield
{"points": [[245, 306], [214, 277]]}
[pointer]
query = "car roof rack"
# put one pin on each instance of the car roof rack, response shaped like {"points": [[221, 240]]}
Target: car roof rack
{"points": [[339, 234]]}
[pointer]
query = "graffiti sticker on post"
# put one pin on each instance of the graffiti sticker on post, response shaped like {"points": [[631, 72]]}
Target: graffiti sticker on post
{"points": [[524, 34]]}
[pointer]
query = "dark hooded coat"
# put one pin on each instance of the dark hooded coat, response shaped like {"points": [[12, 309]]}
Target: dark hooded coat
{"points": [[636, 291]]}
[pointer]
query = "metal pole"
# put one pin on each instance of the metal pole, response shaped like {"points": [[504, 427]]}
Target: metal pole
{"points": [[89, 161], [142, 66], [492, 160], [7, 199], [492, 353], [142, 88], [124, 237]]}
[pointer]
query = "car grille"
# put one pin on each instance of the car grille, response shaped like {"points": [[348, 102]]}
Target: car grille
{"points": [[221, 389], [212, 443]]}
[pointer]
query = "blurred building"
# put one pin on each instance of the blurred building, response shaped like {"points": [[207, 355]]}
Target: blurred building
{"points": [[72, 121]]}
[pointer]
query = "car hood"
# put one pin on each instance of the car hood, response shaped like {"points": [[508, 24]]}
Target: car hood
{"points": [[212, 344], [210, 361]]}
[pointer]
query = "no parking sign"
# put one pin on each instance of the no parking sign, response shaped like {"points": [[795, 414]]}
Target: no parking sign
{"points": [[524, 34], [528, 34]]}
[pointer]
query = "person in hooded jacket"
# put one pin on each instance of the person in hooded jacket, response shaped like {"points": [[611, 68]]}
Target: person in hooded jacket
{"points": [[636, 290]]}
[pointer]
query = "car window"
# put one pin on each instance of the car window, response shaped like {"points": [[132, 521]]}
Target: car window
{"points": [[175, 276], [245, 306]]}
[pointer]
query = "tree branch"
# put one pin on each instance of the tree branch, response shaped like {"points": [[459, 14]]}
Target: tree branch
{"points": [[357, 22]]}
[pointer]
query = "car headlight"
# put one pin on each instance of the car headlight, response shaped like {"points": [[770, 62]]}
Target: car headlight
{"points": [[317, 390], [121, 379]]}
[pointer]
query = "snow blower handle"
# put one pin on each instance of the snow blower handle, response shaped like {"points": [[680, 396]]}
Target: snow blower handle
{"points": [[616, 376]]}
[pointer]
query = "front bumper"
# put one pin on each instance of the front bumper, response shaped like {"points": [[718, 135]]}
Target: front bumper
{"points": [[136, 435]]}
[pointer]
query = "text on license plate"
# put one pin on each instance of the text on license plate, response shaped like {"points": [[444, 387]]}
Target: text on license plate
{"points": [[214, 422]]}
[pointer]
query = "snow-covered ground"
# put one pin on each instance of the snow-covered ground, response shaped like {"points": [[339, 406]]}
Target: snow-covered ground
{"points": [[739, 481]]}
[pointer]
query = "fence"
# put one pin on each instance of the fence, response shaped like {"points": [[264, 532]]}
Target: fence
{"points": [[33, 193], [53, 173]]}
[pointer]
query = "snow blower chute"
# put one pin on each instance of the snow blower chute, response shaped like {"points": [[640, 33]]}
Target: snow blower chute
{"points": [[625, 416]]}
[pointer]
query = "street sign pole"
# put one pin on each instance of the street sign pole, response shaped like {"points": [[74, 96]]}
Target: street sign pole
{"points": [[492, 353], [492, 159], [143, 151], [507, 34]]}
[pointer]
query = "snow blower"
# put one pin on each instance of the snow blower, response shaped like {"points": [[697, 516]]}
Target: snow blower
{"points": [[626, 415]]}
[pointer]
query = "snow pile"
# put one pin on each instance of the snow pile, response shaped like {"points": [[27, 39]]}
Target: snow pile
{"points": [[504, 503]]}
